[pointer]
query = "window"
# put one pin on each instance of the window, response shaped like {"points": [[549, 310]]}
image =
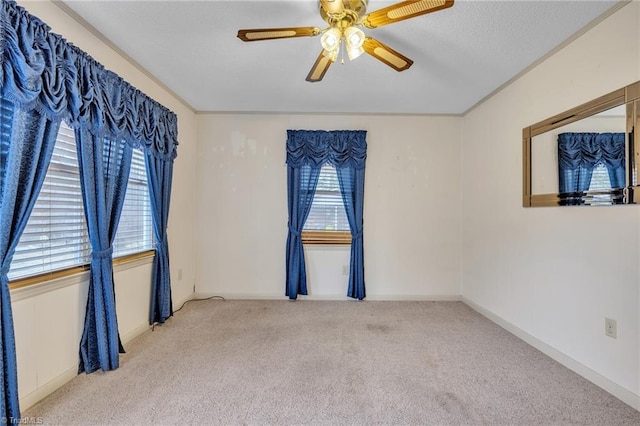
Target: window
{"points": [[135, 230], [56, 236], [600, 180], [327, 222]]}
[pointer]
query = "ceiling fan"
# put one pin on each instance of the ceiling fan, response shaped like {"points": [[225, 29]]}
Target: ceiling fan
{"points": [[344, 18]]}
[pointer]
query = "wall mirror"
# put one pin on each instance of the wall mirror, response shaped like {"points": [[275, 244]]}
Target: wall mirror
{"points": [[588, 155]]}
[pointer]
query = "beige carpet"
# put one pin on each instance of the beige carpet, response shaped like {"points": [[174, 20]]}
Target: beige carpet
{"points": [[312, 362]]}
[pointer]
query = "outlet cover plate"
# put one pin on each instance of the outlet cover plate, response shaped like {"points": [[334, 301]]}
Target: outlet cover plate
{"points": [[611, 328]]}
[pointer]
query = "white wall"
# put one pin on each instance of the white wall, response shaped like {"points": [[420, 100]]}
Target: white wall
{"points": [[48, 318], [534, 269], [411, 213], [553, 274]]}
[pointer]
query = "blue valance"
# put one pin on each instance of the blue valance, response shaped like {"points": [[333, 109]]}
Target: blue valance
{"points": [[580, 153], [341, 148], [42, 71], [588, 149]]}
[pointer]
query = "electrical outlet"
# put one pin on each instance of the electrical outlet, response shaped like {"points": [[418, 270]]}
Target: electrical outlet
{"points": [[345, 269], [179, 274], [611, 328]]}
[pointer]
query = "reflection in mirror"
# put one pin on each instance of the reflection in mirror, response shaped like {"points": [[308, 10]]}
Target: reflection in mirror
{"points": [[586, 155]]}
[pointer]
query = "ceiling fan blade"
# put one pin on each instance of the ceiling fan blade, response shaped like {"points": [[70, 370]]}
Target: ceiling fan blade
{"points": [[403, 10], [386, 54], [276, 33], [332, 7], [319, 68]]}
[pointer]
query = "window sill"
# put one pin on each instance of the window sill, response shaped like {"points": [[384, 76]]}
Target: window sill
{"points": [[133, 260], [120, 263], [326, 237]]}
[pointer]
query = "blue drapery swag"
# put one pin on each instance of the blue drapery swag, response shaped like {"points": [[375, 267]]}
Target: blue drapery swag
{"points": [[45, 77], [580, 153], [307, 151]]}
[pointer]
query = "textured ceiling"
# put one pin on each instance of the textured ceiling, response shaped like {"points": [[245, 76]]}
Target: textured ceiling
{"points": [[460, 54]]}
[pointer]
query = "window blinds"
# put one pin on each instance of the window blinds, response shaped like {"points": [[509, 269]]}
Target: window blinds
{"points": [[327, 211], [56, 236], [135, 230]]}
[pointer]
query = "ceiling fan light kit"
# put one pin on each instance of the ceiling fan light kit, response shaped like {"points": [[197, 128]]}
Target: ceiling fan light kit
{"points": [[344, 17]]}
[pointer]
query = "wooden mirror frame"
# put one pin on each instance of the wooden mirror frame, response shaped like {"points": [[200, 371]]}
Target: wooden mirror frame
{"points": [[629, 96]]}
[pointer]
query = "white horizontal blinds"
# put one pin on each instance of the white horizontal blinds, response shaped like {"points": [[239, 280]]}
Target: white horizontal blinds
{"points": [[135, 230], [327, 211], [56, 235], [600, 178]]}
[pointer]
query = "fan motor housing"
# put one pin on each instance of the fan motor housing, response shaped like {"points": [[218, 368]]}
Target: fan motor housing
{"points": [[353, 10]]}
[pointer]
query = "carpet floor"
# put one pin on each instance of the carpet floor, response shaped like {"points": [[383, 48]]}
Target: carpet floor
{"points": [[325, 363]]}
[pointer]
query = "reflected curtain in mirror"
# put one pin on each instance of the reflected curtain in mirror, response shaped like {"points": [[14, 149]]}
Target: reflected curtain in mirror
{"points": [[580, 153], [587, 155]]}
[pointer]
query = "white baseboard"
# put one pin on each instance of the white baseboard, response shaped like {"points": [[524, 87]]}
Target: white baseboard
{"points": [[126, 338], [374, 297], [596, 378], [239, 296], [415, 297], [48, 388]]}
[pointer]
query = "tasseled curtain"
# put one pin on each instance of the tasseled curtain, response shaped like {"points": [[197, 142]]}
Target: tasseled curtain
{"points": [[160, 175], [307, 151], [301, 187], [48, 80], [580, 153], [104, 172], [352, 188]]}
